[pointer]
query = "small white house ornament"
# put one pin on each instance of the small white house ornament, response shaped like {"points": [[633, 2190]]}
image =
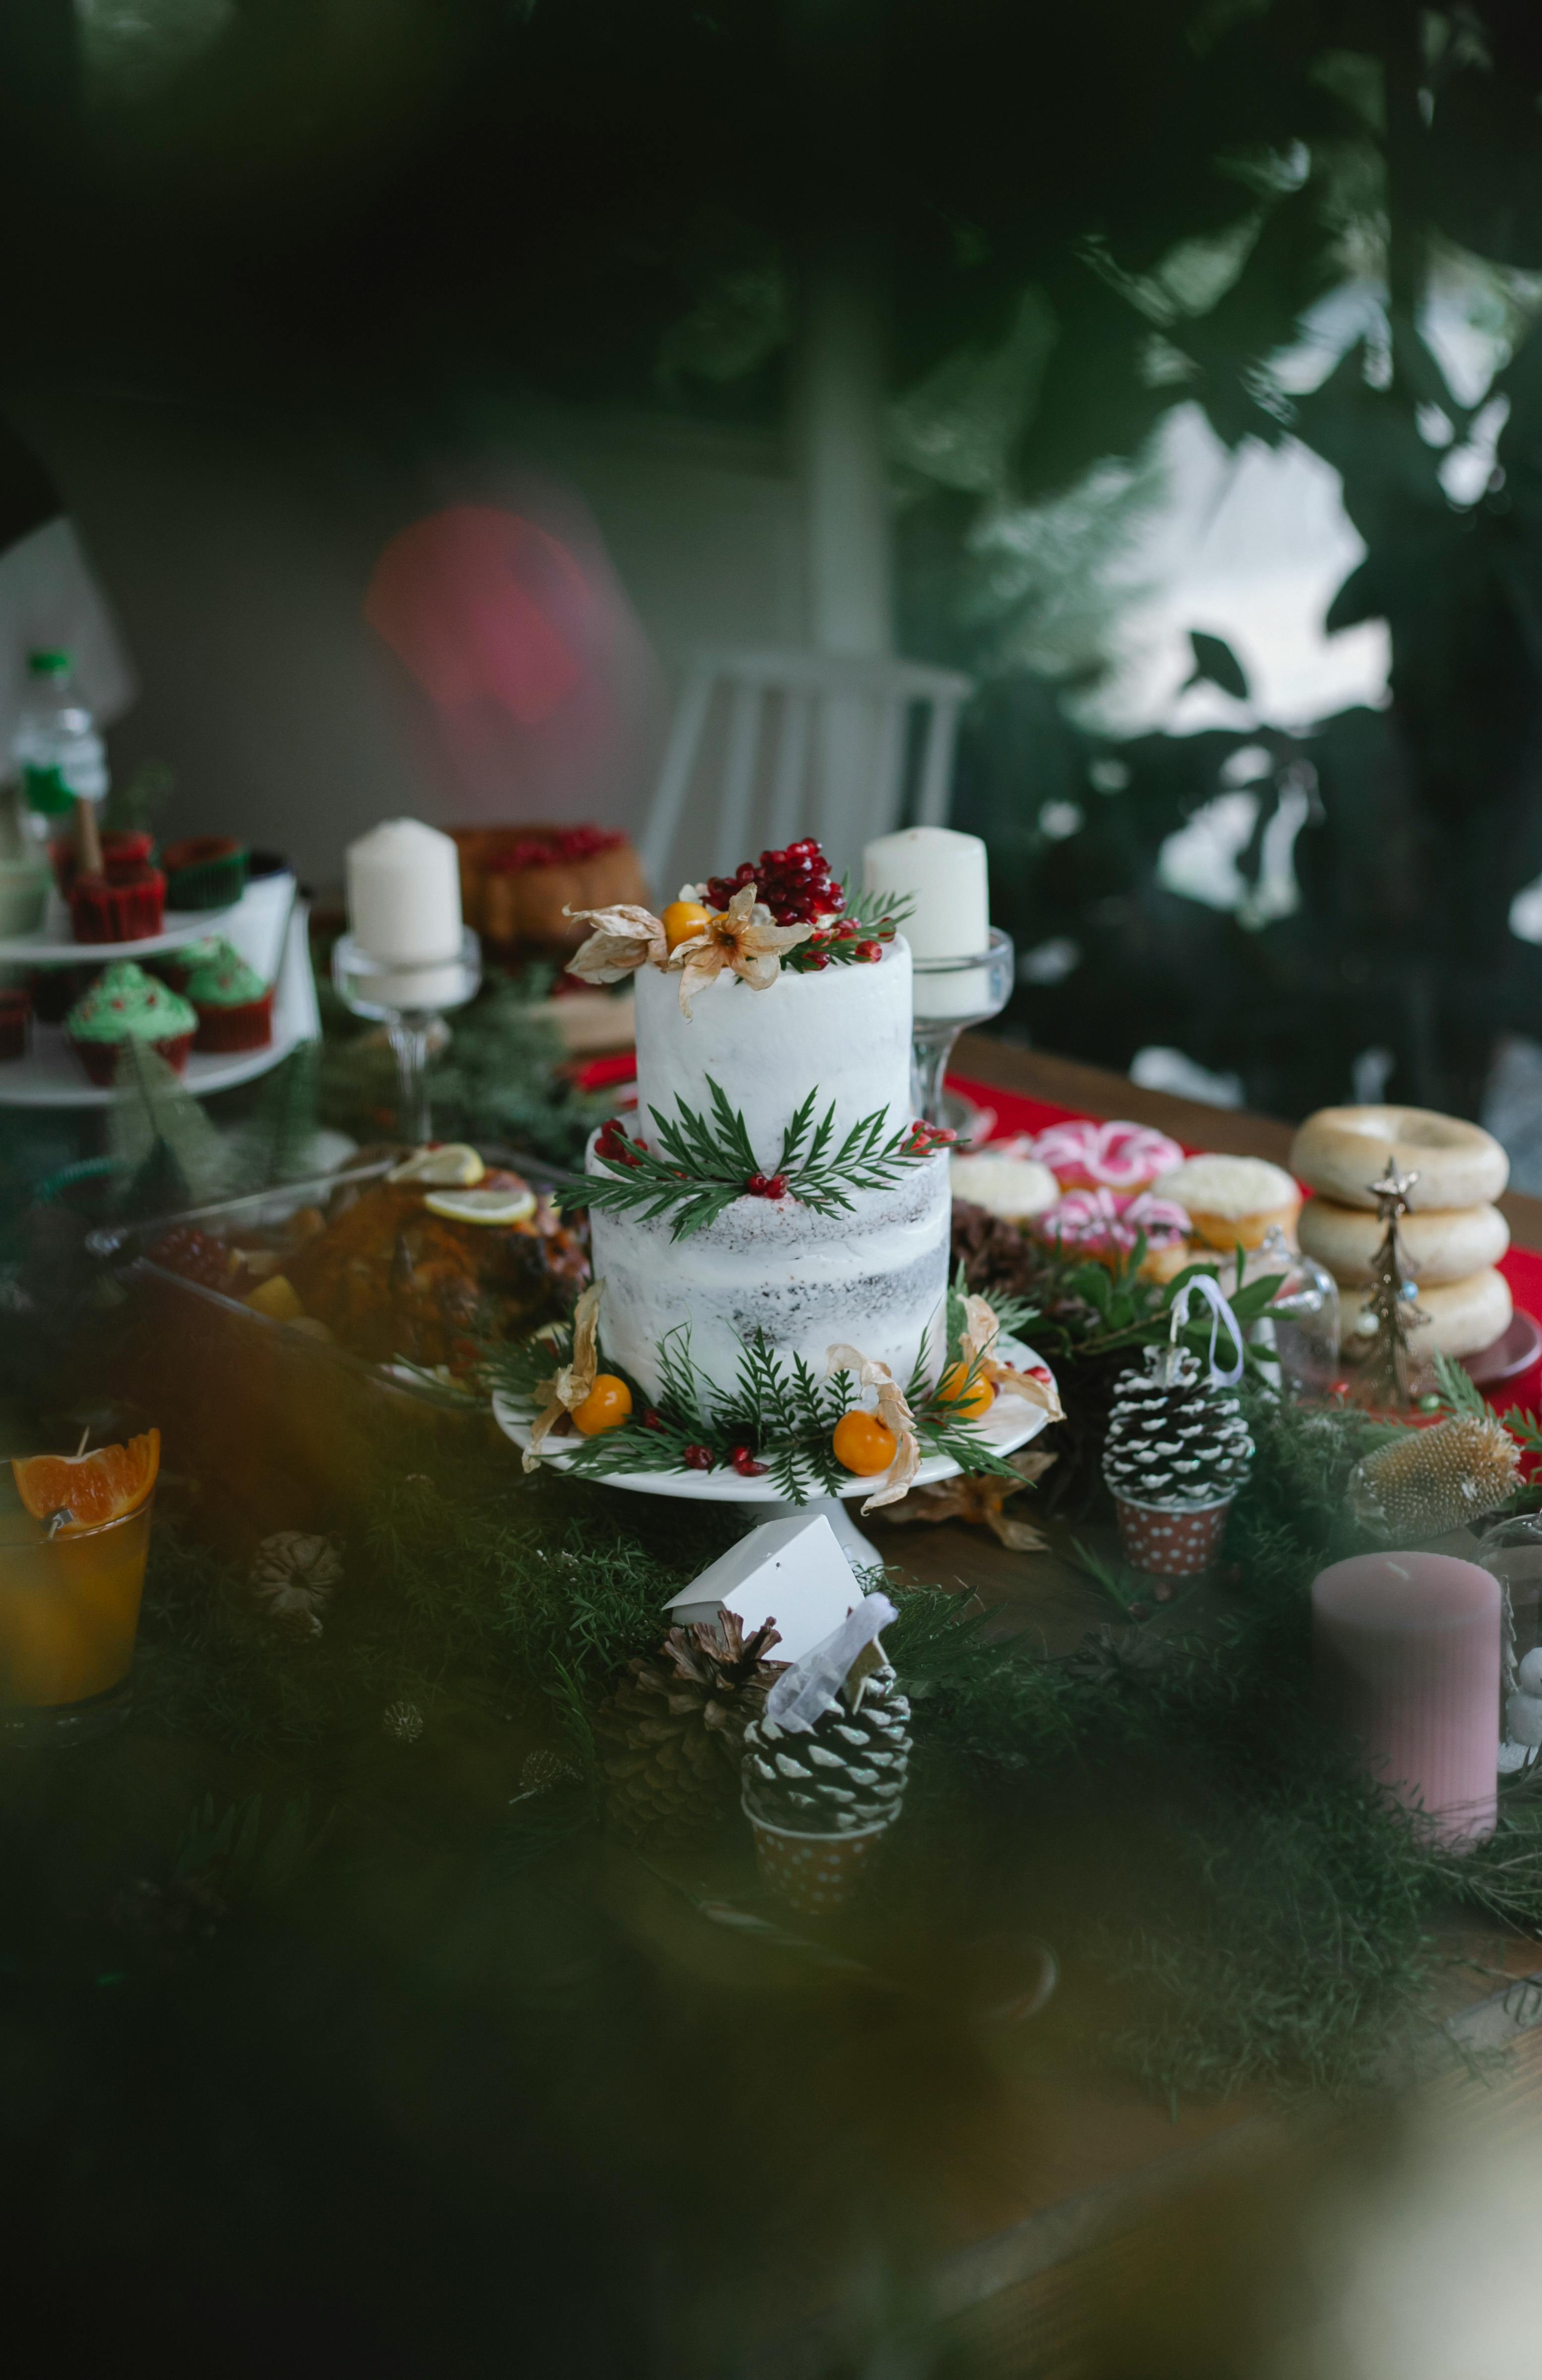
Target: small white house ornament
{"points": [[791, 1572]]}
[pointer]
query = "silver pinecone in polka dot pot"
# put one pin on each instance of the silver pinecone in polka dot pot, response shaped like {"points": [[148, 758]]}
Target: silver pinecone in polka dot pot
{"points": [[1177, 1450], [821, 1796]]}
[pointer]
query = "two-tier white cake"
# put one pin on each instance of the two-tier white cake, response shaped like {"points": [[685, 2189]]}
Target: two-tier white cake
{"points": [[874, 1277]]}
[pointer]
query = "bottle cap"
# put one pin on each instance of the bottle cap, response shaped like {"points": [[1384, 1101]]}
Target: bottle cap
{"points": [[48, 664]]}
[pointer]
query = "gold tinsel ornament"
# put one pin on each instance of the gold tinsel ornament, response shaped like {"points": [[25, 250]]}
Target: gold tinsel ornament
{"points": [[1431, 1480]]}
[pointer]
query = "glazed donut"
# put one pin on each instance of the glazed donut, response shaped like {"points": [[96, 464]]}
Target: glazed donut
{"points": [[1084, 1155], [1464, 1316], [1232, 1201], [1448, 1245], [1103, 1225], [1015, 1187], [1342, 1151]]}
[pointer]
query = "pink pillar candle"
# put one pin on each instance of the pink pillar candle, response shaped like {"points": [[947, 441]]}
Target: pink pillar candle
{"points": [[1406, 1651]]}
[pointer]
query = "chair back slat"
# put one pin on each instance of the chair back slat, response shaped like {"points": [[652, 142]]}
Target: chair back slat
{"points": [[766, 745]]}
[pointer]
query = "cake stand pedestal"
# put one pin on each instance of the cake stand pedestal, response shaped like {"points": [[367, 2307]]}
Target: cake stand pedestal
{"points": [[1010, 1424], [409, 1002]]}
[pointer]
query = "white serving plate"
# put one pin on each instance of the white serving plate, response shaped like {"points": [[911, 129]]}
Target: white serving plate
{"points": [[50, 1075]]}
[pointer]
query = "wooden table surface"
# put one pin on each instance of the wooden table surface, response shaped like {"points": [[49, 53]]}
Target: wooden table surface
{"points": [[1043, 2254]]}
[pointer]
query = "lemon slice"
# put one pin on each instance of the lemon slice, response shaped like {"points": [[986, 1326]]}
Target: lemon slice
{"points": [[454, 1163], [509, 1204]]}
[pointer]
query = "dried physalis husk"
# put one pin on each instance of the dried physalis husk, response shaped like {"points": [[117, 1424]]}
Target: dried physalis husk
{"points": [[1427, 1481]]}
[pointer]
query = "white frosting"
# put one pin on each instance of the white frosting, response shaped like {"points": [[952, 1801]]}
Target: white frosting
{"points": [[876, 1277], [844, 1032]]}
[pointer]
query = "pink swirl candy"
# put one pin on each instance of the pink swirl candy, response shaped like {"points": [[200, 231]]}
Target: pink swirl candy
{"points": [[1083, 1155], [1097, 1221]]}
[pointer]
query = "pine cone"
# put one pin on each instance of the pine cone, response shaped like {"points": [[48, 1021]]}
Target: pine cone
{"points": [[1431, 1480], [995, 1255], [1177, 1441], [846, 1772], [672, 1735]]}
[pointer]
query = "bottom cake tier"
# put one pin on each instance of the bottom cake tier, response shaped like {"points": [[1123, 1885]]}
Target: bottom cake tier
{"points": [[875, 1278]]}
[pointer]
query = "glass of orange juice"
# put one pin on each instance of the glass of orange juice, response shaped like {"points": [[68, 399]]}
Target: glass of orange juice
{"points": [[69, 1608]]}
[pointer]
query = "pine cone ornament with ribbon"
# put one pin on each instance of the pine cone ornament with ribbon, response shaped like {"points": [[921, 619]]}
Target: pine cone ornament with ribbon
{"points": [[671, 1735], [1178, 1447], [1175, 1438], [845, 1772]]}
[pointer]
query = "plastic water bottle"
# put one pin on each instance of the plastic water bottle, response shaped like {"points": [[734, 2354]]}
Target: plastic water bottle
{"points": [[60, 756]]}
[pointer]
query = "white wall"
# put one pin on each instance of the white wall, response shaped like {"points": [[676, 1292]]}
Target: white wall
{"points": [[236, 553]]}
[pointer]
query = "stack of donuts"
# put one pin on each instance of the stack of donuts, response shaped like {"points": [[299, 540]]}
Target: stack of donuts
{"points": [[1453, 1236]]}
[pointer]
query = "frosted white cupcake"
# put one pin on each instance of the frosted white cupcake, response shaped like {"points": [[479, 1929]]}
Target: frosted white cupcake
{"points": [[1232, 1201]]}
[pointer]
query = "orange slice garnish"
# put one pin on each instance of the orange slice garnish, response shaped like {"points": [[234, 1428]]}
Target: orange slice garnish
{"points": [[92, 1488]]}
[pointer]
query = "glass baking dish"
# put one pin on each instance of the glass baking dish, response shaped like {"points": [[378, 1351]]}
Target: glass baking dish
{"points": [[239, 1390]]}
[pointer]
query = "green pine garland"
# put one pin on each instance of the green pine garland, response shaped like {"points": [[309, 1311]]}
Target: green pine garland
{"points": [[777, 1410]]}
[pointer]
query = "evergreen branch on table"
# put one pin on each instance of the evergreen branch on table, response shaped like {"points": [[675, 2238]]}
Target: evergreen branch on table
{"points": [[704, 1163]]}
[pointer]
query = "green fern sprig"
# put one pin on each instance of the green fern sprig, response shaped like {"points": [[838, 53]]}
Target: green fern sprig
{"points": [[704, 1162]]}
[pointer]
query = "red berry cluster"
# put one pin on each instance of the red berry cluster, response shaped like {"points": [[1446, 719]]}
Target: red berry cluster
{"points": [[925, 1137], [698, 1458], [194, 1255], [614, 1144], [766, 1185], [794, 884], [743, 1460]]}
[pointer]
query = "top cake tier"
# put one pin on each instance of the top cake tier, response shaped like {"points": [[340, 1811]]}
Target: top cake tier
{"points": [[845, 1032]]}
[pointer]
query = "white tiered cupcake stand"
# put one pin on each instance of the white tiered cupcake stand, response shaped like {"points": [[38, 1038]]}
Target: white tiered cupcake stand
{"points": [[1010, 1424], [268, 925]]}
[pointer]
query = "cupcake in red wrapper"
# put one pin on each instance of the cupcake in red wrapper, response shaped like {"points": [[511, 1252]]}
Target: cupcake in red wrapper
{"points": [[125, 1005], [125, 851], [204, 871], [16, 1007], [235, 1007], [100, 911]]}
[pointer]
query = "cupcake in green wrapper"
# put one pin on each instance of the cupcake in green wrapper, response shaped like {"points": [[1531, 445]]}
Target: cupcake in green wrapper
{"points": [[235, 1007], [125, 1005]]}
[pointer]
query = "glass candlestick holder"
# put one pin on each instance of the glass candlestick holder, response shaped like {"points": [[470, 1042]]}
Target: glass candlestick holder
{"points": [[950, 995], [409, 1002]]}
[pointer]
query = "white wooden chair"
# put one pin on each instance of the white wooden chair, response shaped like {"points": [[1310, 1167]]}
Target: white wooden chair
{"points": [[765, 746]]}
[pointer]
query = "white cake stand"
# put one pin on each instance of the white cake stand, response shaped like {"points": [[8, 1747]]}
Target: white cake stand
{"points": [[1010, 1424]]}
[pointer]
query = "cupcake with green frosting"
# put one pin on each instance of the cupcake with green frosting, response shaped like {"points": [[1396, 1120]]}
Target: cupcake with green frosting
{"points": [[125, 1005], [235, 1006], [175, 965]]}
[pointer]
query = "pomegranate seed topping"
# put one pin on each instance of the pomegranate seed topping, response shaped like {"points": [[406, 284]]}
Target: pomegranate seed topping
{"points": [[698, 1458]]}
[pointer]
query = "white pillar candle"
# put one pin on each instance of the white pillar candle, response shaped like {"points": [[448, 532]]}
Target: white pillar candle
{"points": [[943, 874], [403, 895]]}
